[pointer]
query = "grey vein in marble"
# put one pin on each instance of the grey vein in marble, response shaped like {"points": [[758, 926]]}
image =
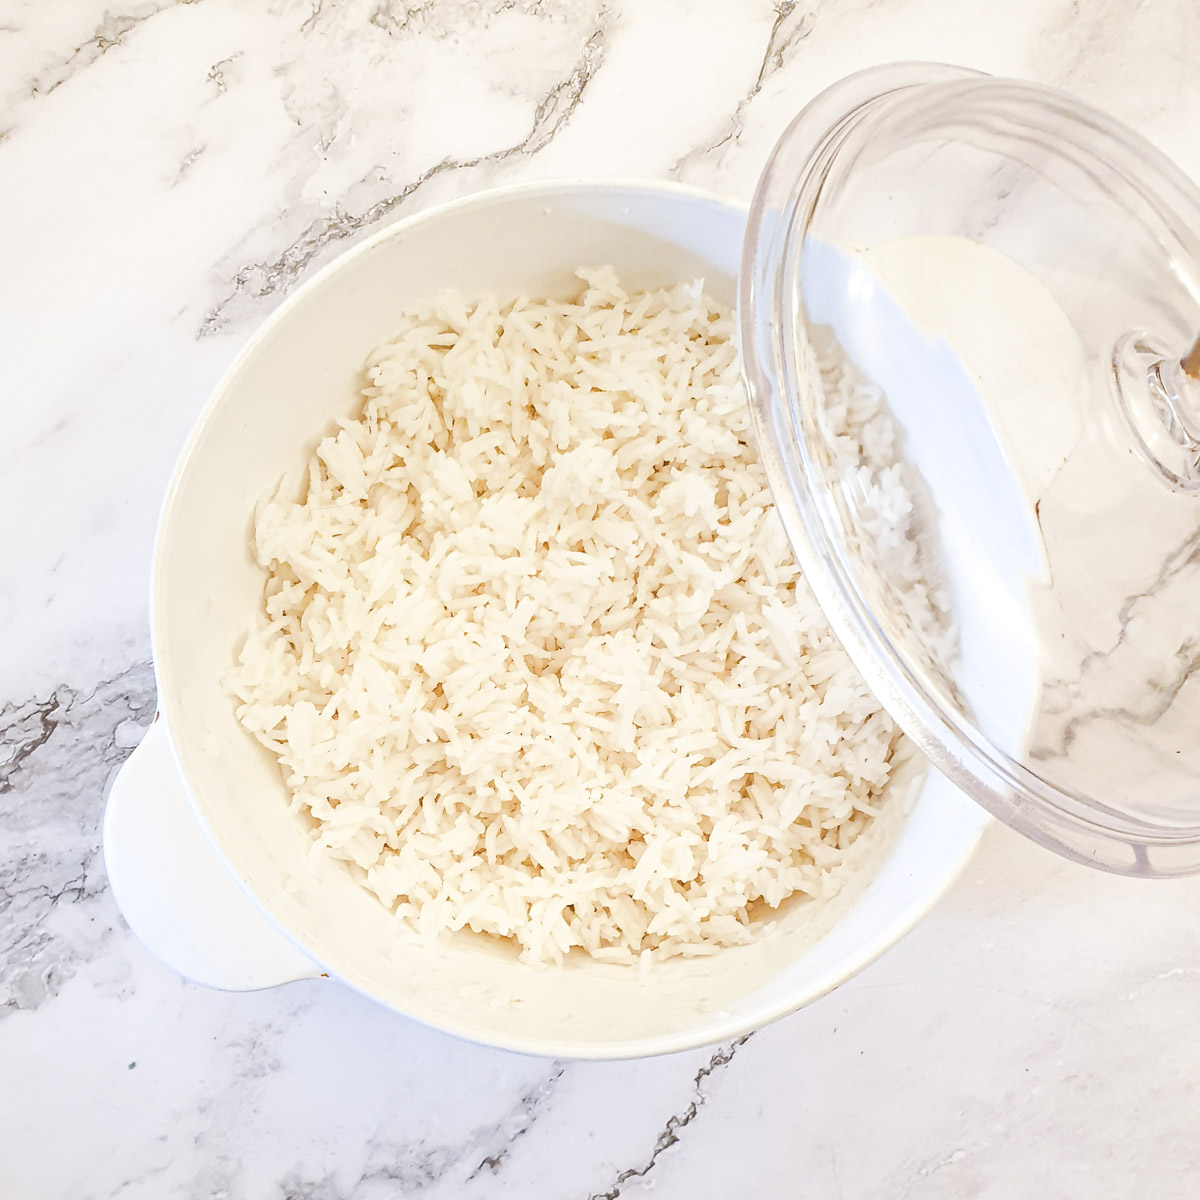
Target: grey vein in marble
{"points": [[530, 1105], [1155, 703], [680, 1120], [317, 9], [1070, 705], [216, 74], [551, 114], [110, 33], [413, 1168], [56, 755], [438, 17], [1187, 554], [791, 26]]}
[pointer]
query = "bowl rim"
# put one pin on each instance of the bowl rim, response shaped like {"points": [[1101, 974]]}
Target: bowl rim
{"points": [[714, 1031]]}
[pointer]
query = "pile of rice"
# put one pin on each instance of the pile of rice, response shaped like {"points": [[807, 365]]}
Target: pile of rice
{"points": [[535, 656]]}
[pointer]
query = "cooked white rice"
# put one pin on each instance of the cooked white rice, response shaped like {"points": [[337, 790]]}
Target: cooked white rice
{"points": [[535, 656]]}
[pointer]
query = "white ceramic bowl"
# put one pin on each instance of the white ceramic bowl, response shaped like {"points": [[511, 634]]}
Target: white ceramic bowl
{"points": [[206, 862]]}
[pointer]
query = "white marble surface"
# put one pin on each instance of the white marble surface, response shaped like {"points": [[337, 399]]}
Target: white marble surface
{"points": [[168, 171]]}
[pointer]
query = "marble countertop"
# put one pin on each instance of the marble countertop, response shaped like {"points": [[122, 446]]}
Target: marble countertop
{"points": [[168, 172]]}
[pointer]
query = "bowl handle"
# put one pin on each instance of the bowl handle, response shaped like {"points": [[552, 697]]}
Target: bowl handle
{"points": [[175, 892]]}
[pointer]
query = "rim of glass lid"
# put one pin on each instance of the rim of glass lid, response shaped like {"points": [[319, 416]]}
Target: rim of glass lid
{"points": [[770, 314]]}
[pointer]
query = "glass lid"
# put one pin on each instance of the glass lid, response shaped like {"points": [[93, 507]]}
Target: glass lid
{"points": [[970, 310]]}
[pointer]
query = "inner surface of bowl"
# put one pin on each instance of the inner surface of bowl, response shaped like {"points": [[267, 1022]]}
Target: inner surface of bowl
{"points": [[300, 373]]}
